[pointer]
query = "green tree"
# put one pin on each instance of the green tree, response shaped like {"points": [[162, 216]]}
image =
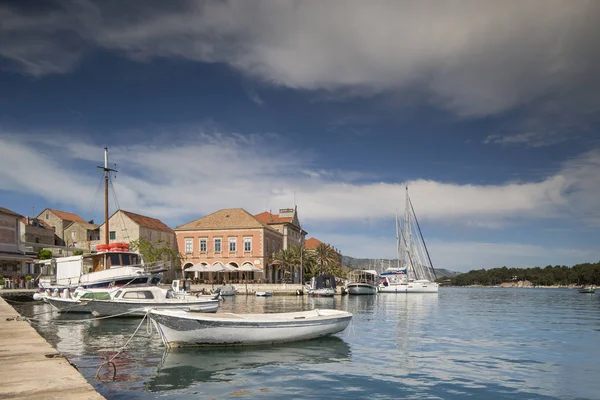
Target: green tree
{"points": [[285, 260], [78, 252], [153, 252], [326, 258], [45, 254]]}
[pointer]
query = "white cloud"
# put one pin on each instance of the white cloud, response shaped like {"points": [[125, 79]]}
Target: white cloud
{"points": [[471, 57], [207, 172], [530, 139]]}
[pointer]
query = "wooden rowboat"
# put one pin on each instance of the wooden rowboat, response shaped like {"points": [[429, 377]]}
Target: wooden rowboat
{"points": [[179, 328]]}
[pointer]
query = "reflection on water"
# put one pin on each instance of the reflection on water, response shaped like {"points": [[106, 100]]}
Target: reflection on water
{"points": [[471, 342], [184, 367]]}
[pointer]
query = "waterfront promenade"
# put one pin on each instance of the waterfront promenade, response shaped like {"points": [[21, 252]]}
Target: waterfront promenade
{"points": [[32, 368]]}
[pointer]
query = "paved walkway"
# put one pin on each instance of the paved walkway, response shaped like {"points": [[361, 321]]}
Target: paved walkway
{"points": [[25, 370]]}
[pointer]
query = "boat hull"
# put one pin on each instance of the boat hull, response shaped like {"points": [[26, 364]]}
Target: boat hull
{"points": [[587, 290], [67, 305], [361, 289], [101, 308], [321, 292], [179, 329], [410, 287]]}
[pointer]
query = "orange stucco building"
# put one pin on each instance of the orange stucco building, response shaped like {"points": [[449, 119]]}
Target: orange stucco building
{"points": [[237, 239]]}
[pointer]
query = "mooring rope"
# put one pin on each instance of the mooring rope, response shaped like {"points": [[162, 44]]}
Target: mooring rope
{"points": [[110, 362]]}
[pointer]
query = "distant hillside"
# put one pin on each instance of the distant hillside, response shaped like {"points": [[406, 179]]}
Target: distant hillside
{"points": [[367, 263]]}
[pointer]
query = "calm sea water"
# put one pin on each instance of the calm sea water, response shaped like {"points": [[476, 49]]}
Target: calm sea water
{"points": [[463, 342]]}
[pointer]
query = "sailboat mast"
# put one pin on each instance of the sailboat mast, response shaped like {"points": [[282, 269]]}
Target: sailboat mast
{"points": [[106, 230], [107, 172], [407, 240], [397, 241]]}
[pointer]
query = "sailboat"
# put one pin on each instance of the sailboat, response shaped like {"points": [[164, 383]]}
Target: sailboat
{"points": [[111, 266], [414, 272]]}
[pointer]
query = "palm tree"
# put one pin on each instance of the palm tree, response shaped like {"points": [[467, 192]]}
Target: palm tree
{"points": [[305, 259], [284, 259], [326, 258]]}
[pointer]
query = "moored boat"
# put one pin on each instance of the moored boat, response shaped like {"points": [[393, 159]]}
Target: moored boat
{"points": [[321, 286], [134, 301], [263, 294], [362, 282], [179, 328], [226, 290], [74, 302], [415, 272], [587, 289], [397, 281]]}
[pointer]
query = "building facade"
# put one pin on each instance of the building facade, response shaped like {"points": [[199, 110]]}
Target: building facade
{"points": [[35, 235], [287, 223], [59, 220], [126, 226], [234, 238], [13, 261], [81, 235]]}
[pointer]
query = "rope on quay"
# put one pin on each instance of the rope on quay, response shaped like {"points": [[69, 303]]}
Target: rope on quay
{"points": [[105, 377]]}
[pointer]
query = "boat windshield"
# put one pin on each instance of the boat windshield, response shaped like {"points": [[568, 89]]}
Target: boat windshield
{"points": [[117, 259], [96, 295]]}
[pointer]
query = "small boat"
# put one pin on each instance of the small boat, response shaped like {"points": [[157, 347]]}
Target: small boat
{"points": [[321, 286], [178, 328], [75, 302], [264, 294], [587, 289], [226, 290], [134, 301], [362, 282]]}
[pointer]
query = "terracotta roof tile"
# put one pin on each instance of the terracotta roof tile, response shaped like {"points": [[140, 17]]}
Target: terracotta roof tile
{"points": [[229, 218], [67, 216], [41, 223], [7, 211], [312, 243], [269, 218], [147, 222]]}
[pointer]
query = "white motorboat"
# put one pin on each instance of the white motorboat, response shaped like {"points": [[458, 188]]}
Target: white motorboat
{"points": [[178, 328], [225, 290], [134, 301], [75, 302], [263, 294], [321, 286], [362, 282], [105, 269]]}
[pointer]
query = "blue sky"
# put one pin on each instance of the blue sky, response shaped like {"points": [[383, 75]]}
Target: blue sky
{"points": [[487, 110]]}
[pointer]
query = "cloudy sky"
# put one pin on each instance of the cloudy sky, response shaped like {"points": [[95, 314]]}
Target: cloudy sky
{"points": [[488, 110]]}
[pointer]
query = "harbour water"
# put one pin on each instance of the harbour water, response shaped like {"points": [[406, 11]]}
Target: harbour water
{"points": [[488, 343]]}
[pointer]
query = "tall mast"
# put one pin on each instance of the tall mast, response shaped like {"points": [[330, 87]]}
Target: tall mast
{"points": [[107, 172], [397, 242]]}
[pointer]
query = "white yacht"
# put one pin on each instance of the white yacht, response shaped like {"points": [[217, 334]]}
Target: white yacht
{"points": [[135, 301], [415, 272], [362, 282]]}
